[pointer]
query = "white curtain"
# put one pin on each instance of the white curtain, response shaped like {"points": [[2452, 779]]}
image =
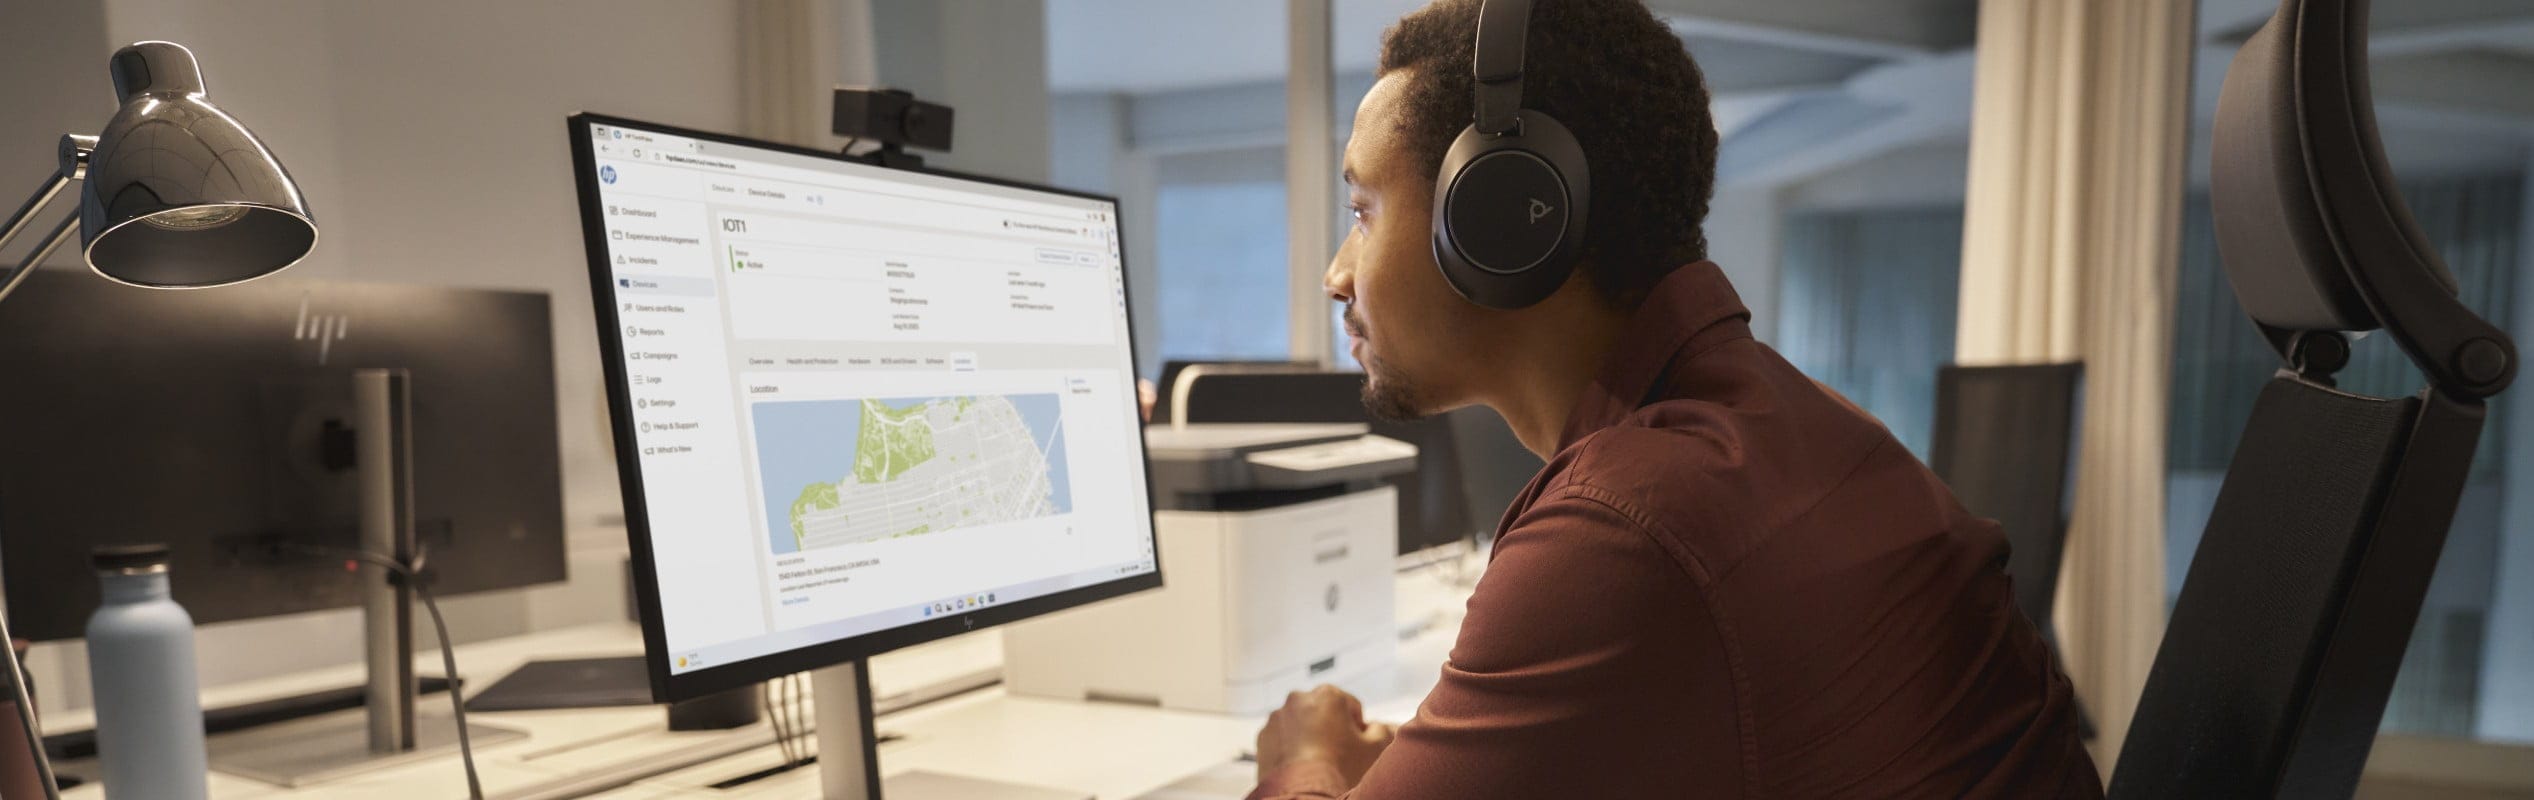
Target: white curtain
{"points": [[793, 54], [2080, 112]]}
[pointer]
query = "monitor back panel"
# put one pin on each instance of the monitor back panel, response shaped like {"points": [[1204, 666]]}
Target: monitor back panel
{"points": [[199, 419]]}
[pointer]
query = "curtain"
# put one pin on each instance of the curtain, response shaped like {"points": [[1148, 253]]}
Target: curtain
{"points": [[2079, 111]]}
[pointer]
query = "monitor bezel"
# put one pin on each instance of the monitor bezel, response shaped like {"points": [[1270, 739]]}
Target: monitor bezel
{"points": [[672, 687]]}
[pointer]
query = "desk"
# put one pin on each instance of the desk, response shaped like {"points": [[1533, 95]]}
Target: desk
{"points": [[1115, 752]]}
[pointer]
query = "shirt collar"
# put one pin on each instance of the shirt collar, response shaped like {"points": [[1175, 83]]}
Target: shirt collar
{"points": [[1693, 304]]}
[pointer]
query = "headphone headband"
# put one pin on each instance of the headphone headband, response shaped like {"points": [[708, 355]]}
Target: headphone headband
{"points": [[1510, 194], [1503, 29]]}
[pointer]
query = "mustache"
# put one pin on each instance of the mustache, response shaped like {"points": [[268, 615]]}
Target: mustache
{"points": [[1354, 322]]}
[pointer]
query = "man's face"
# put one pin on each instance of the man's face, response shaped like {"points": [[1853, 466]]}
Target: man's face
{"points": [[1417, 339]]}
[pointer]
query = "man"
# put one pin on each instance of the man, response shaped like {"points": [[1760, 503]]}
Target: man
{"points": [[1727, 582]]}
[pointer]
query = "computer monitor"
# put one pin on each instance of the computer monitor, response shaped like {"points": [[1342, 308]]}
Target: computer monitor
{"points": [[217, 421], [856, 408]]}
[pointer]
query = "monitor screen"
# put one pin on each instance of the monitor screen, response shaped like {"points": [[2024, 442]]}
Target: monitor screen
{"points": [[855, 407]]}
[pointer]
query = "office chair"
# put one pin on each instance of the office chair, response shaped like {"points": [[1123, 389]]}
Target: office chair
{"points": [[2283, 646], [2005, 441]]}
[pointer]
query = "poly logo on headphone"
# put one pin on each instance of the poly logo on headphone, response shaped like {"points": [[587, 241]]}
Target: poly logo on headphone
{"points": [[1538, 210]]}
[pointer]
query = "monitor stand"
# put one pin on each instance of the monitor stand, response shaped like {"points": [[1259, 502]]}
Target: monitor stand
{"points": [[849, 757], [311, 750]]}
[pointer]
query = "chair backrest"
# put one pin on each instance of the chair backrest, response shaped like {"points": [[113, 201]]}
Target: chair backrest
{"points": [[2005, 441], [2291, 625], [1495, 467]]}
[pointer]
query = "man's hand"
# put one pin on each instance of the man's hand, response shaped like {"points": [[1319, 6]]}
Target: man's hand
{"points": [[1325, 725]]}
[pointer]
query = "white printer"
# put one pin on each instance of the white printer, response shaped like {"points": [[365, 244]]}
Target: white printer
{"points": [[1278, 546]]}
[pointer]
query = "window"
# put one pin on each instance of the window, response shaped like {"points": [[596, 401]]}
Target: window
{"points": [[1837, 209], [1866, 303], [1178, 109]]}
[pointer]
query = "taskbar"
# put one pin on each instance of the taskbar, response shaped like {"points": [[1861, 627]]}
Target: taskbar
{"points": [[732, 652]]}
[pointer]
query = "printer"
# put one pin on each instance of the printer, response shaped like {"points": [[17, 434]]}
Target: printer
{"points": [[1277, 545]]}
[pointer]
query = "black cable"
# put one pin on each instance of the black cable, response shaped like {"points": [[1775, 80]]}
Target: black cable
{"points": [[449, 665], [792, 714], [774, 717], [765, 702], [799, 717], [412, 574]]}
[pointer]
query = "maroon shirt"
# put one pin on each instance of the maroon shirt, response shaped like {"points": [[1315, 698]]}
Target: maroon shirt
{"points": [[1732, 583]]}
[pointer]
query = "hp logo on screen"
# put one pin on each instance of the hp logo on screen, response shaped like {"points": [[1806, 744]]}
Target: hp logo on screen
{"points": [[606, 174]]}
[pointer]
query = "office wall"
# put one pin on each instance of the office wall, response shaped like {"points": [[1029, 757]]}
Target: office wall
{"points": [[429, 139], [55, 84], [1926, 174], [985, 58], [1742, 237]]}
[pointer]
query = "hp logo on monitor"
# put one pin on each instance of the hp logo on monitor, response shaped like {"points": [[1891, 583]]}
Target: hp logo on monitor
{"points": [[607, 175]]}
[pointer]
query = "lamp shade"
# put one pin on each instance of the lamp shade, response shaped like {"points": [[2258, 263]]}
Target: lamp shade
{"points": [[177, 193]]}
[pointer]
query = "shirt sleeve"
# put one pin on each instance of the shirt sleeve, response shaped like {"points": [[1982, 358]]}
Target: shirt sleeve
{"points": [[1587, 666]]}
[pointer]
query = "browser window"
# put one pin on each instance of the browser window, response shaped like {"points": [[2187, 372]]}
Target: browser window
{"points": [[865, 397]]}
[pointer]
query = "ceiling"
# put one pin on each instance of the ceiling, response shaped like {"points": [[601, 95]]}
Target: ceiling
{"points": [[1808, 86], [1153, 46]]}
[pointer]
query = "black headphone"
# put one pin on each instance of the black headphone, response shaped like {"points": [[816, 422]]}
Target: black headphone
{"points": [[1510, 197]]}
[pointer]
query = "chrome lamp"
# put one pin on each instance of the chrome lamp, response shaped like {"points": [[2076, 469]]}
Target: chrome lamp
{"points": [[175, 195]]}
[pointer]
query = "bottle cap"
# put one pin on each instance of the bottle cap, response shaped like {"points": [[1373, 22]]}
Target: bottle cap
{"points": [[117, 557]]}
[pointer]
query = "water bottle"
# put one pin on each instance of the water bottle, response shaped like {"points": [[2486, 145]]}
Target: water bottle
{"points": [[141, 663]]}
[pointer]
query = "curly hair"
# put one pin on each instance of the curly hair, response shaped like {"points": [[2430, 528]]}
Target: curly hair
{"points": [[1622, 82]]}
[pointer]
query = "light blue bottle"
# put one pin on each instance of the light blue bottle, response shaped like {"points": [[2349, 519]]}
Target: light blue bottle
{"points": [[141, 663]]}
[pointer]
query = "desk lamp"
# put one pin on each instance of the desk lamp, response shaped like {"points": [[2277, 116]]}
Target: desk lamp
{"points": [[176, 195]]}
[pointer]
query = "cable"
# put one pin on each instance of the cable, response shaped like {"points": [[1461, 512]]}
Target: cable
{"points": [[765, 702], [774, 717], [802, 717], [412, 575], [449, 665], [792, 695]]}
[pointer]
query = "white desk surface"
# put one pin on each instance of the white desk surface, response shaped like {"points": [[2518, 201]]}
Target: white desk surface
{"points": [[1114, 752]]}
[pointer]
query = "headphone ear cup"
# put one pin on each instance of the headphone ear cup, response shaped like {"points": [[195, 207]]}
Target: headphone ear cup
{"points": [[1509, 212]]}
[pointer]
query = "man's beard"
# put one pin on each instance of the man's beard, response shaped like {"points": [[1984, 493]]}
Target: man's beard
{"points": [[1392, 397]]}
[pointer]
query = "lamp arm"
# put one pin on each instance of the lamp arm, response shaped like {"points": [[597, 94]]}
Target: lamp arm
{"points": [[52, 186], [61, 233]]}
